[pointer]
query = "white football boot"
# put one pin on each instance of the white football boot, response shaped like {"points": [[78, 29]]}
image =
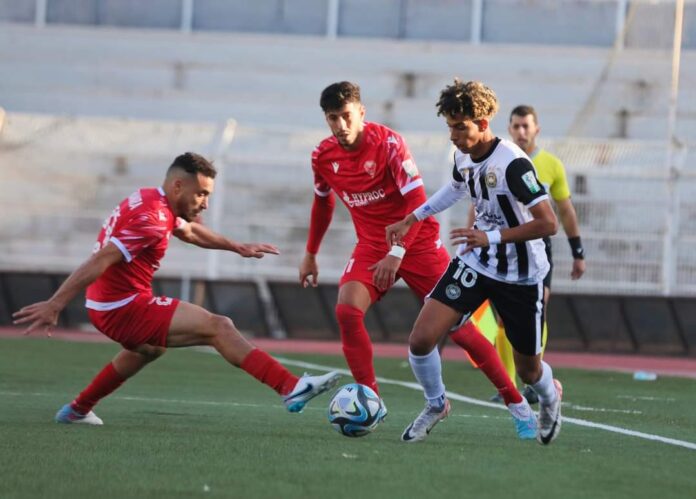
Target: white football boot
{"points": [[68, 415], [425, 422], [550, 417], [307, 388]]}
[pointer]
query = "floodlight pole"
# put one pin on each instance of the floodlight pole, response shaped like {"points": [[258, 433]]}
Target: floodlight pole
{"points": [[669, 254]]}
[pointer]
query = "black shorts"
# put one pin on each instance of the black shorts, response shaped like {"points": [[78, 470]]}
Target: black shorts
{"points": [[547, 247], [521, 307]]}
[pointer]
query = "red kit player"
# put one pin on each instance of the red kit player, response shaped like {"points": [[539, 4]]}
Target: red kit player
{"points": [[121, 305], [371, 169]]}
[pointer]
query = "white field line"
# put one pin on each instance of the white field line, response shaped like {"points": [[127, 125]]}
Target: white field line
{"points": [[483, 403], [635, 398], [583, 408]]}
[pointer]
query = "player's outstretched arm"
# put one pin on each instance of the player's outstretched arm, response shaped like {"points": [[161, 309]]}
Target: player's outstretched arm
{"points": [[44, 314], [200, 235]]}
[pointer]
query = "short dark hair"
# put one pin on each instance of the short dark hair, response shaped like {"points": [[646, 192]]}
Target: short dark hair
{"points": [[193, 163], [337, 95], [472, 99], [524, 110]]}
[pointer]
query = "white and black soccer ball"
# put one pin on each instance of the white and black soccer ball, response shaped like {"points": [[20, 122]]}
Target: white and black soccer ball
{"points": [[356, 410]]}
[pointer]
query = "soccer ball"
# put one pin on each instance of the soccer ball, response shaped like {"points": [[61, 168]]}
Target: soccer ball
{"points": [[356, 410]]}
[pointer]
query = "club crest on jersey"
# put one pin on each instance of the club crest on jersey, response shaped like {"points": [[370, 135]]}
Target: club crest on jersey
{"points": [[410, 168], [491, 179], [370, 167], [335, 166], [530, 181], [453, 291]]}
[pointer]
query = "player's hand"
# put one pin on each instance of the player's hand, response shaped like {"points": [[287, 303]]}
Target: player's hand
{"points": [[41, 315], [308, 268], [385, 271], [397, 231], [578, 269], [472, 238], [256, 250]]}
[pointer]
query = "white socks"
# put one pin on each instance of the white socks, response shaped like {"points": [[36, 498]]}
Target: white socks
{"points": [[545, 387], [428, 372]]}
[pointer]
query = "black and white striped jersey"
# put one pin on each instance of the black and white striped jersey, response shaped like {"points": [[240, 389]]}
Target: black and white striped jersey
{"points": [[503, 186]]}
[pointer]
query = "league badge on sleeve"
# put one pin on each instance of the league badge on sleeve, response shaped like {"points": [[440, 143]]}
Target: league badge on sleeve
{"points": [[531, 182], [410, 168]]}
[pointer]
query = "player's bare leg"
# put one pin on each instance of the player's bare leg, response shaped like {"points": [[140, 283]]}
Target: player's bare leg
{"points": [[434, 321], [193, 325], [353, 302], [538, 374], [125, 364], [129, 362]]}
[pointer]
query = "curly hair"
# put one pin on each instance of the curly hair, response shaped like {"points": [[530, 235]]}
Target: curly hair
{"points": [[472, 99]]}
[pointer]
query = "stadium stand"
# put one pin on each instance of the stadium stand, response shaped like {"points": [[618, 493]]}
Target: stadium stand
{"points": [[550, 22], [99, 114]]}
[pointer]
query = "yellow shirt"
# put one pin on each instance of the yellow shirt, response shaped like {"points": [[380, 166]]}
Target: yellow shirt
{"points": [[551, 173]]}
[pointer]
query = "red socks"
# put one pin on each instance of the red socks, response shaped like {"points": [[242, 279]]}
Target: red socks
{"points": [[357, 346], [103, 384], [486, 357], [269, 371]]}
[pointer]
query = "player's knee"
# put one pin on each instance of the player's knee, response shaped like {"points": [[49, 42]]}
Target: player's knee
{"points": [[421, 341], [221, 326], [150, 352], [155, 353]]}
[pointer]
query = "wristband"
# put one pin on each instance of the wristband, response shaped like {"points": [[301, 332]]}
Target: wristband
{"points": [[576, 248], [397, 251], [493, 236]]}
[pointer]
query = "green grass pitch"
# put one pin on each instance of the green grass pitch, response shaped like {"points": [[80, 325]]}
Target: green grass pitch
{"points": [[192, 426]]}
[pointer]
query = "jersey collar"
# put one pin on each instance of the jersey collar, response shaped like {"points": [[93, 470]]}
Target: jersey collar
{"points": [[488, 154]]}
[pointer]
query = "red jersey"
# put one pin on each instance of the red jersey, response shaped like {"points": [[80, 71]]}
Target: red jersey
{"points": [[140, 227], [372, 182]]}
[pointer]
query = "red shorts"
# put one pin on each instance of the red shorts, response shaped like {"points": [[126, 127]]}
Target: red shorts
{"points": [[421, 272], [145, 320]]}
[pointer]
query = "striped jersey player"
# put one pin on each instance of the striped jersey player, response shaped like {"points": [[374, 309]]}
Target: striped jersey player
{"points": [[501, 259]]}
